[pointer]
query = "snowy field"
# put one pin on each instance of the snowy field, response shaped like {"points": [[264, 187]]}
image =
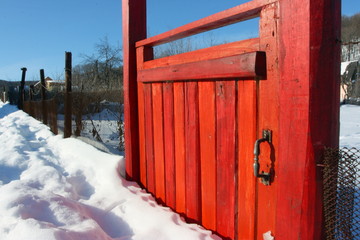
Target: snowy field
{"points": [[55, 188], [350, 126]]}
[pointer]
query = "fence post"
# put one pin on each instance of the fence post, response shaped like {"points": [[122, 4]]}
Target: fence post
{"points": [[68, 99], [21, 89], [31, 92], [134, 29], [4, 95], [43, 97]]}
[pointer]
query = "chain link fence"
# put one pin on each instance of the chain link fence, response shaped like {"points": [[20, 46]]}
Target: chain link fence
{"points": [[342, 194]]}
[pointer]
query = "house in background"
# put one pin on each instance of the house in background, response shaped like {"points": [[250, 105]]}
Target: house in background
{"points": [[350, 82], [54, 84]]}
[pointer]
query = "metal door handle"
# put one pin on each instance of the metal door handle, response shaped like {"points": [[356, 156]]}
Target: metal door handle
{"points": [[265, 177]]}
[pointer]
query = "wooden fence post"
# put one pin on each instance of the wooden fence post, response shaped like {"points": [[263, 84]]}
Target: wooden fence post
{"points": [[68, 99], [134, 29], [21, 89], [4, 95], [43, 97]]}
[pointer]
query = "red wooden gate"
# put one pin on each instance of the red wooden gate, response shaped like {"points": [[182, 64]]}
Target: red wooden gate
{"points": [[192, 119]]}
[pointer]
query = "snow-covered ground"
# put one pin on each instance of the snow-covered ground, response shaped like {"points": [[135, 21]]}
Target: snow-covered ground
{"points": [[106, 125], [55, 188], [350, 126]]}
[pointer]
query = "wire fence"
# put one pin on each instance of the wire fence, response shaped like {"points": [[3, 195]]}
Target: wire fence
{"points": [[342, 194]]}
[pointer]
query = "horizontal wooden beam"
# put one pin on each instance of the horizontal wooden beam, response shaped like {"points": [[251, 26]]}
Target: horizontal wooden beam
{"points": [[219, 51], [246, 66], [230, 16]]}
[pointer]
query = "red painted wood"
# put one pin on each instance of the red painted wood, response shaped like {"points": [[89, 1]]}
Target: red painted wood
{"points": [[142, 139], [246, 122], [219, 51], [132, 11], [149, 138], [236, 14], [207, 126], [193, 201], [169, 144], [323, 78], [268, 118], [142, 54], [246, 65], [311, 115], [179, 132], [226, 146], [158, 126]]}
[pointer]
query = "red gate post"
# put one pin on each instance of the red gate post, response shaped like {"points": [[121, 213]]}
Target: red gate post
{"points": [[134, 29], [309, 62]]}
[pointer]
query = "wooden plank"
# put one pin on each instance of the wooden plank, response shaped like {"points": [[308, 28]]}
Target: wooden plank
{"points": [[219, 51], [207, 124], [158, 126], [134, 29], [180, 166], [236, 14], [247, 65], [226, 146], [149, 141], [169, 143], [193, 201], [268, 118], [142, 54], [246, 124], [142, 139], [310, 121]]}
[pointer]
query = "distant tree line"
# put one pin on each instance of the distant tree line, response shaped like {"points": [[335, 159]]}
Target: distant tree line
{"points": [[101, 71], [350, 36]]}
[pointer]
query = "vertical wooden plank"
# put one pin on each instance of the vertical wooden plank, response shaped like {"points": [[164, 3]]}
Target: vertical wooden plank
{"points": [[142, 141], [134, 29], [246, 124], [169, 143], [158, 126], [207, 125], [226, 146], [179, 127], [142, 54], [149, 138], [268, 118], [193, 208]]}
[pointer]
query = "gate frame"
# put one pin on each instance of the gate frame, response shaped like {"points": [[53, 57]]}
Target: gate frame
{"points": [[309, 42]]}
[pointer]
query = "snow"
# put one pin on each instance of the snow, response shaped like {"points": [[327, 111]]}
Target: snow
{"points": [[55, 188], [344, 66], [350, 126]]}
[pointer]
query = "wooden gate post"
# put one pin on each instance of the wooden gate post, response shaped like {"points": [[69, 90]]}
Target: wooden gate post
{"points": [[309, 62], [134, 29], [21, 89], [68, 98], [43, 96]]}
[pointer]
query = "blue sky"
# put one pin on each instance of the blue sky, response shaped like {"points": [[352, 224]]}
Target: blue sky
{"points": [[35, 34]]}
